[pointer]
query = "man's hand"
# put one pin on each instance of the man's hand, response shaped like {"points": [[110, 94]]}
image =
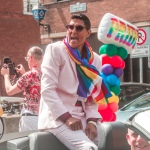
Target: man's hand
{"points": [[91, 131], [74, 123], [5, 71], [20, 69]]}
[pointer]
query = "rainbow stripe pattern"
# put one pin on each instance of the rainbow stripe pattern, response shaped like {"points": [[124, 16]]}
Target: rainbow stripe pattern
{"points": [[125, 33], [90, 80]]}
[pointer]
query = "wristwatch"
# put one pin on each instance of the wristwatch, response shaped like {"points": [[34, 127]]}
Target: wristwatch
{"points": [[93, 122]]}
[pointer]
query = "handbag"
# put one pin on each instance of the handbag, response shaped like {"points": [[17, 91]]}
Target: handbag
{"points": [[140, 123]]}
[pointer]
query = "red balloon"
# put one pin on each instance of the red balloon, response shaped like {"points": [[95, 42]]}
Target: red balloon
{"points": [[101, 107], [114, 117], [106, 114], [113, 106], [122, 64], [116, 61], [105, 59]]}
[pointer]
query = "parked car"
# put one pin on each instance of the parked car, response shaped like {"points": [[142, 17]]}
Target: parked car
{"points": [[11, 105], [139, 104], [11, 109], [131, 90]]}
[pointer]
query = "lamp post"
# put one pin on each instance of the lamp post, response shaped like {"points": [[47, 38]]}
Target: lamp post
{"points": [[38, 12]]}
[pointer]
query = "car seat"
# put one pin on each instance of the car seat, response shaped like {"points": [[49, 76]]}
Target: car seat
{"points": [[45, 141], [113, 136]]}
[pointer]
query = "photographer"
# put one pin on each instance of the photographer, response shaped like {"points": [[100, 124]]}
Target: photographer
{"points": [[29, 82]]}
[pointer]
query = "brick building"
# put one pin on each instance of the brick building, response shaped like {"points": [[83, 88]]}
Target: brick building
{"points": [[135, 12], [18, 32], [58, 13]]}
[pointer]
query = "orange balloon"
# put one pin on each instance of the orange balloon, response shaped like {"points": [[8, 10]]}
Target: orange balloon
{"points": [[113, 106], [101, 107]]}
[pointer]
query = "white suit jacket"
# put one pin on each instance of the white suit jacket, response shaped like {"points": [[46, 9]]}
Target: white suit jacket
{"points": [[59, 86]]}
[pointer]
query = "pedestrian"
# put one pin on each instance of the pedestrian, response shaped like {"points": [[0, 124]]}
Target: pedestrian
{"points": [[70, 85], [136, 141], [138, 135], [30, 83]]}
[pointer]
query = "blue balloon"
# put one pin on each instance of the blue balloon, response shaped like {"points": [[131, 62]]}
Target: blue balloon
{"points": [[118, 82], [111, 79]]}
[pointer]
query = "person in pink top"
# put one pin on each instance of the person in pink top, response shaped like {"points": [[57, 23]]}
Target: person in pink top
{"points": [[30, 83]]}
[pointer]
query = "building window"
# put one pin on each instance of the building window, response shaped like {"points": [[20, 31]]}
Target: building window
{"points": [[28, 5]]}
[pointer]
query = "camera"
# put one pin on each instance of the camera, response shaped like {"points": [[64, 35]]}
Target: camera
{"points": [[10, 65]]}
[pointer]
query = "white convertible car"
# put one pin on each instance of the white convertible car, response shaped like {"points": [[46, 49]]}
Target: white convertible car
{"points": [[112, 137]]}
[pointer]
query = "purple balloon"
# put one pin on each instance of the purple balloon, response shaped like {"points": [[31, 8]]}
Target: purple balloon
{"points": [[118, 72], [107, 69]]}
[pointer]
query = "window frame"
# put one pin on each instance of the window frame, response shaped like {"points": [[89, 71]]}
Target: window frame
{"points": [[25, 6]]}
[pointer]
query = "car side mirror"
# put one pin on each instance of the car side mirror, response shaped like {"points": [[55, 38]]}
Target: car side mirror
{"points": [[1, 127]]}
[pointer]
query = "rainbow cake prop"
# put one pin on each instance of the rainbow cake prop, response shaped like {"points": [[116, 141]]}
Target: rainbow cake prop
{"points": [[117, 31], [119, 38]]}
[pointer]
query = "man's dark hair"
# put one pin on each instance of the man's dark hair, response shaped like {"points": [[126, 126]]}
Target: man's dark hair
{"points": [[85, 19]]}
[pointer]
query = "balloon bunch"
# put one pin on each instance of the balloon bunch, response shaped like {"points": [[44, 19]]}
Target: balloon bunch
{"points": [[112, 69]]}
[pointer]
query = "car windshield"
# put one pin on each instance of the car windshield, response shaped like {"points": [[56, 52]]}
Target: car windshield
{"points": [[139, 103]]}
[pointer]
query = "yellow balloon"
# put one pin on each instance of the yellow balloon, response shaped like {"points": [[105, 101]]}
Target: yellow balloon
{"points": [[113, 98], [117, 99]]}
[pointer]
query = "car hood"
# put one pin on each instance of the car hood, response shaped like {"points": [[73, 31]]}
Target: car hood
{"points": [[123, 116]]}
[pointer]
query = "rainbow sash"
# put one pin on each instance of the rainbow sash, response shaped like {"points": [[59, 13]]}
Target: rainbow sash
{"points": [[90, 80]]}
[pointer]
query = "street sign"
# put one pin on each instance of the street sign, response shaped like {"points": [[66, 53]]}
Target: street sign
{"points": [[140, 51], [78, 7], [141, 36]]}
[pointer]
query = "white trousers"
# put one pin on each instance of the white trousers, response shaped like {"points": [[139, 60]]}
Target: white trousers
{"points": [[76, 140], [28, 123]]}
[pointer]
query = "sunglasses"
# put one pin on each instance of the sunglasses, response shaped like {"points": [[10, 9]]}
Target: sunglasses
{"points": [[78, 28], [26, 58]]}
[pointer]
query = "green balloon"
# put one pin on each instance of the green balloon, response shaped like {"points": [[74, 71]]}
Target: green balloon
{"points": [[122, 52], [115, 89], [111, 50], [102, 49]]}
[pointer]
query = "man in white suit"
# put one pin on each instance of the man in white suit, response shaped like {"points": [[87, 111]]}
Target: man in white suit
{"points": [[67, 107]]}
